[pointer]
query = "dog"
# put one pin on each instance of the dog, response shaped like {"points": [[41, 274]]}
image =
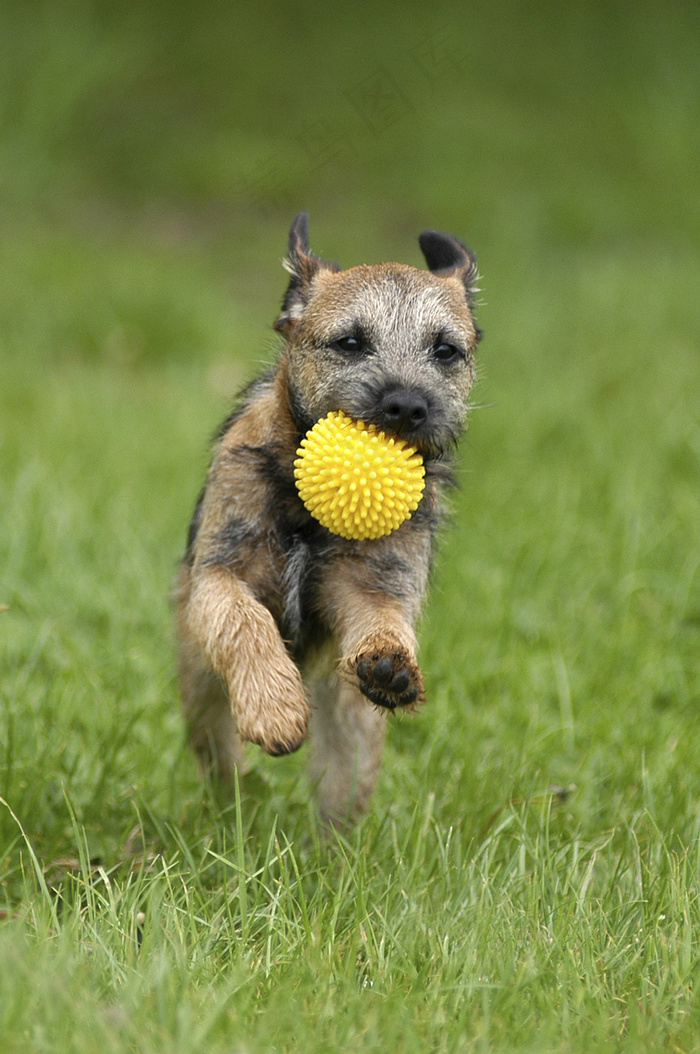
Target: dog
{"points": [[264, 591]]}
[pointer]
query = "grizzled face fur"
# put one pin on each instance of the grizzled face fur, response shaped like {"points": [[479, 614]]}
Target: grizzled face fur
{"points": [[387, 343]]}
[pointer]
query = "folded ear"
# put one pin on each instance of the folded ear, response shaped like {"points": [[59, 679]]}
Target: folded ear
{"points": [[446, 256], [302, 265]]}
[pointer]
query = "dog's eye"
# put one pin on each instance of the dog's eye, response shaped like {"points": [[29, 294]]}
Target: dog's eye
{"points": [[446, 352], [350, 344]]}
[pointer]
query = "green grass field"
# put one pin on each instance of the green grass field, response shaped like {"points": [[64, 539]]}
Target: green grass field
{"points": [[528, 876]]}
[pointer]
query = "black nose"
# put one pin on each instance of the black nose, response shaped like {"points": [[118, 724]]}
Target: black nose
{"points": [[403, 411]]}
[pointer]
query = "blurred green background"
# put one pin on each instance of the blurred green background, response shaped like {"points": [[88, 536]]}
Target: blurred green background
{"points": [[153, 155]]}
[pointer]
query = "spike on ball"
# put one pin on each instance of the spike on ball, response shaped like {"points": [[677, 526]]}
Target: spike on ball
{"points": [[355, 480]]}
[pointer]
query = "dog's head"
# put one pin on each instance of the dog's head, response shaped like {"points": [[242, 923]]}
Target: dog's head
{"points": [[387, 343]]}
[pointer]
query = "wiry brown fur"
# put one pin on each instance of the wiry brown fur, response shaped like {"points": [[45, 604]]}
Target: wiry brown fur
{"points": [[264, 591]]}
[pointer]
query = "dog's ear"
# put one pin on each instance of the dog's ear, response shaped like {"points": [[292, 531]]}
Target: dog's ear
{"points": [[302, 265], [447, 256]]}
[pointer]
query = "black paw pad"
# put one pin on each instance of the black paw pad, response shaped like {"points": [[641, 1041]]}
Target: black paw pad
{"points": [[387, 680]]}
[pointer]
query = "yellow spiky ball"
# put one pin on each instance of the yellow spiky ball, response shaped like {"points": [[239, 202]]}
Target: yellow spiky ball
{"points": [[355, 480]]}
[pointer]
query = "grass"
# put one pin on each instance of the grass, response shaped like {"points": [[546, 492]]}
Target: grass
{"points": [[527, 878]]}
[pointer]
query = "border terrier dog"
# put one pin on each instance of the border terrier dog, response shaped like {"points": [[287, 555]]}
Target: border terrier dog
{"points": [[264, 591]]}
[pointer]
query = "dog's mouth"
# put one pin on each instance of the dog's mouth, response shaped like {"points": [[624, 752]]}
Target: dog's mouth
{"points": [[425, 430], [406, 412], [429, 438], [420, 439]]}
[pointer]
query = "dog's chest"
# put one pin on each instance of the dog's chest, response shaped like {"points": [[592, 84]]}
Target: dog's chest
{"points": [[304, 553]]}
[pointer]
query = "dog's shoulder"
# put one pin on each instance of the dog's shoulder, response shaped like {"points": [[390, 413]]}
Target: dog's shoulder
{"points": [[246, 402]]}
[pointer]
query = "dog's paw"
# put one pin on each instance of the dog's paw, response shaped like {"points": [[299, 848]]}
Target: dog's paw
{"points": [[277, 733], [278, 741], [389, 678], [276, 715]]}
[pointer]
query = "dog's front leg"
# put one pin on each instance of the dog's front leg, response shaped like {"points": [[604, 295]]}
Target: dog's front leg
{"points": [[378, 662], [240, 639], [372, 602]]}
